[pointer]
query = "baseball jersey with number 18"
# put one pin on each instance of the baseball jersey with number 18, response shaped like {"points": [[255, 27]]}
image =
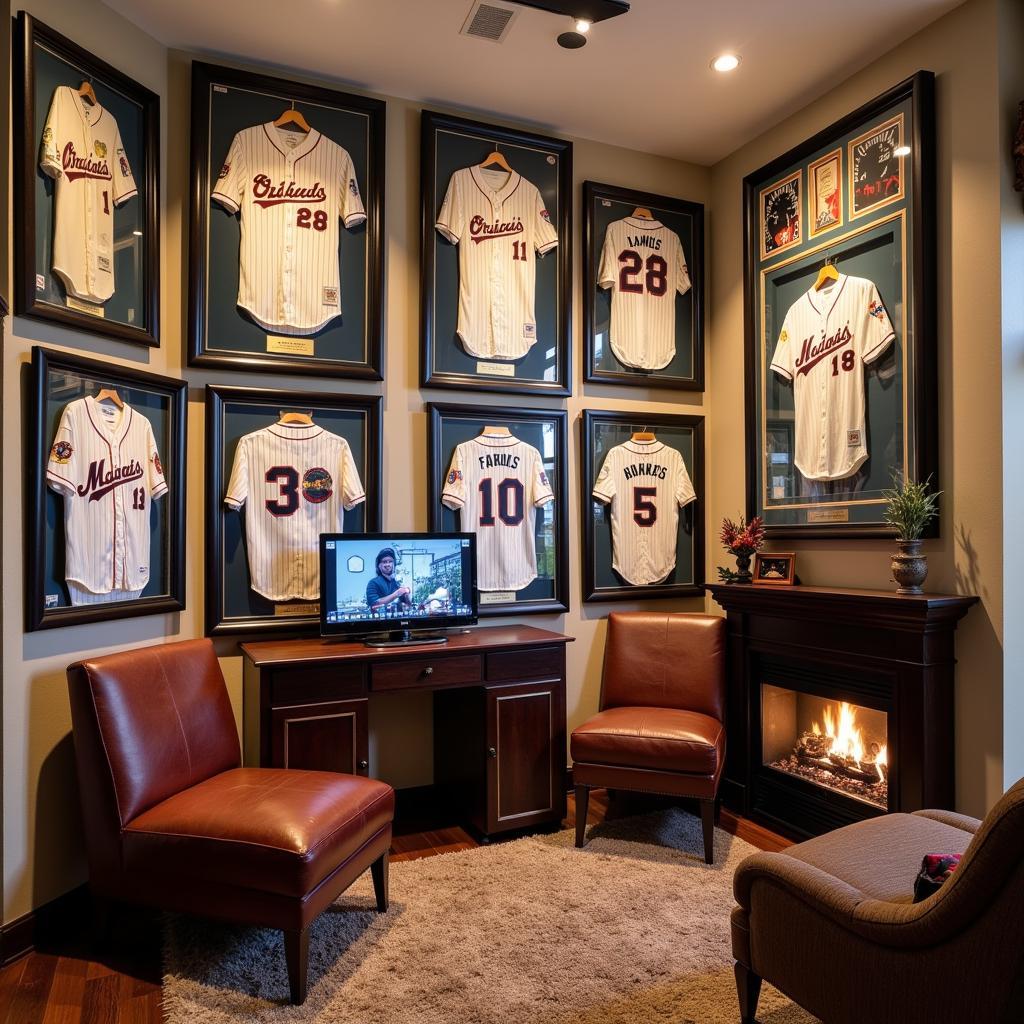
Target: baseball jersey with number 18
{"points": [[497, 483], [827, 338]]}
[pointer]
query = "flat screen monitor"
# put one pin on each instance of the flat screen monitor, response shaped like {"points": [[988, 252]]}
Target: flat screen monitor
{"points": [[397, 583]]}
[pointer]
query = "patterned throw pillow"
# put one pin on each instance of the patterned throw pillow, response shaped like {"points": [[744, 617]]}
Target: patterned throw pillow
{"points": [[935, 869]]}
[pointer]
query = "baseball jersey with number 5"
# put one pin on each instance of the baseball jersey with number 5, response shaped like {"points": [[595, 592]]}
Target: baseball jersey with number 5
{"points": [[642, 262], [82, 152], [298, 481], [497, 484], [291, 189], [646, 483], [827, 338], [498, 220]]}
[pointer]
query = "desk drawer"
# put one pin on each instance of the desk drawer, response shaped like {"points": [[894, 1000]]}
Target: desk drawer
{"points": [[532, 663], [427, 673], [305, 685]]}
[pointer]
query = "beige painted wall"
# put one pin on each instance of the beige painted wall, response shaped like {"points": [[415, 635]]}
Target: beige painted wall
{"points": [[961, 50]]}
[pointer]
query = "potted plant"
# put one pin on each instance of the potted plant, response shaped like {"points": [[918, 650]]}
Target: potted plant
{"points": [[741, 540], [910, 507]]}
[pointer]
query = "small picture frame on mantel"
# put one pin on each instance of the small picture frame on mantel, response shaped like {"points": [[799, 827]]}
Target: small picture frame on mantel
{"points": [[775, 568]]}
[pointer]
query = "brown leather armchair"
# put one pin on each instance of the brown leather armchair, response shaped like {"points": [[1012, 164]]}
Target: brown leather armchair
{"points": [[661, 725], [172, 820]]}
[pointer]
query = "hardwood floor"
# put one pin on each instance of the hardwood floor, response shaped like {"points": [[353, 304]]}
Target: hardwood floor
{"points": [[71, 982]]}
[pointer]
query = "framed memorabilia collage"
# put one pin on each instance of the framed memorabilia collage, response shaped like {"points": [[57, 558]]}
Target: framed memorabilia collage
{"points": [[840, 315]]}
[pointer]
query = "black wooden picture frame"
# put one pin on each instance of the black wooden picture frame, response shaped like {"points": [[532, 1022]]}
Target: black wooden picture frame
{"points": [[56, 379], [450, 424], [43, 58], [448, 144], [603, 430], [880, 227], [232, 606], [220, 334], [685, 372]]}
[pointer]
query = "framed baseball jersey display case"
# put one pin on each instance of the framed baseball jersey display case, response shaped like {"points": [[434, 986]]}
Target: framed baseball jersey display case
{"points": [[282, 468], [107, 492], [840, 321], [287, 226], [504, 477], [643, 505], [86, 198], [496, 273], [643, 310]]}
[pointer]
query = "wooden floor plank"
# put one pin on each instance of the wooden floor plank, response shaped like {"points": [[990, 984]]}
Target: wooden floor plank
{"points": [[64, 1005], [29, 1003]]}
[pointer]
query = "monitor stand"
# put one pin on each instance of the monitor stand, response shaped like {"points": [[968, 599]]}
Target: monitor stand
{"points": [[406, 638]]}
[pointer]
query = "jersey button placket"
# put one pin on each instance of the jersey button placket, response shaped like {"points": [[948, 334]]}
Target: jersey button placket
{"points": [[287, 284], [500, 325]]}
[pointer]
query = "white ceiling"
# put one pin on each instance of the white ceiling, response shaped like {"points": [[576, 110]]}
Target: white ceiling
{"points": [[643, 81]]}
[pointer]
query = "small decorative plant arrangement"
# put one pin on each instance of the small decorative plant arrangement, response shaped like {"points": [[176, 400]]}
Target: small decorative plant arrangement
{"points": [[742, 540], [910, 508]]}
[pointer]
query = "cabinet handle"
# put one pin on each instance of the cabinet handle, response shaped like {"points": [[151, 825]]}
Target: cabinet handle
{"points": [[363, 765], [429, 670], [491, 752]]}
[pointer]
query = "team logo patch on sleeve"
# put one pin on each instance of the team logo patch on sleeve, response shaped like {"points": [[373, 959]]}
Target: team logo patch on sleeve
{"points": [[61, 452], [784, 336], [454, 475], [353, 187], [156, 464], [47, 136], [546, 215], [877, 310], [317, 485], [544, 478], [124, 166], [224, 171]]}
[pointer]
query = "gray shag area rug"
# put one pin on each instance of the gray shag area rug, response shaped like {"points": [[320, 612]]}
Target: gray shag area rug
{"points": [[634, 928]]}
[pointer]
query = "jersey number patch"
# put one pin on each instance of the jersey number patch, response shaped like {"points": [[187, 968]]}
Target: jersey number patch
{"points": [[632, 265], [645, 512], [511, 501], [307, 218], [848, 361], [287, 480]]}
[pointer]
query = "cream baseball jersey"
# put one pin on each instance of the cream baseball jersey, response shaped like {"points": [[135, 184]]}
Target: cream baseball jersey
{"points": [[642, 262], [297, 482], [646, 483], [497, 484], [291, 190], [826, 339], [498, 220], [104, 462], [82, 152]]}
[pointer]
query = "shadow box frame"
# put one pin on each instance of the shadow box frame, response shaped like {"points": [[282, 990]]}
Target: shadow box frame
{"points": [[30, 33], [442, 414], [433, 125], [678, 209], [208, 80], [40, 538], [218, 398], [693, 513], [851, 232]]}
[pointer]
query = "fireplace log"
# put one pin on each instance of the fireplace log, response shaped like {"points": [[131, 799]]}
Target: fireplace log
{"points": [[839, 765]]}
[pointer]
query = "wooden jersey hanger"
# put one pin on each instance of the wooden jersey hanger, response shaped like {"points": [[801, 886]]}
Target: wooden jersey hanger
{"points": [[828, 272], [496, 158], [496, 432], [110, 395], [86, 91], [302, 419], [293, 116], [643, 436], [642, 211]]}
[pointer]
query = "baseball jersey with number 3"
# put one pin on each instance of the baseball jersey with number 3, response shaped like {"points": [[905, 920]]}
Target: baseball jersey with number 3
{"points": [[498, 220], [642, 262], [646, 483], [497, 484], [827, 338], [291, 189], [82, 152], [298, 481]]}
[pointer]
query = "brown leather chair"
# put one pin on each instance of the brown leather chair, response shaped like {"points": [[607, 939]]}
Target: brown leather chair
{"points": [[172, 820], [661, 725]]}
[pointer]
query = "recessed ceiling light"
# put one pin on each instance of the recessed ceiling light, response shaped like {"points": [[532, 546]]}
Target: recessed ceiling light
{"points": [[726, 62], [583, 26], [901, 151], [572, 40]]}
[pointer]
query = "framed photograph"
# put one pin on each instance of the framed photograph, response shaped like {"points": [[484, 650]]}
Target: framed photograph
{"points": [[287, 226], [496, 281], [780, 207], [86, 190], [841, 392], [643, 314], [282, 468], [503, 475], [774, 568], [106, 512], [643, 506]]}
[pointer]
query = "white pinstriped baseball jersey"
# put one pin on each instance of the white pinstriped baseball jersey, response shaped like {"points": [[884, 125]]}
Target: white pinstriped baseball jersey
{"points": [[82, 152], [104, 461], [826, 339], [298, 482], [642, 262], [497, 483], [646, 483], [291, 189], [498, 221]]}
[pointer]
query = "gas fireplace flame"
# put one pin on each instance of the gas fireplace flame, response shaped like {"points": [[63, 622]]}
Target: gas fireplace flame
{"points": [[846, 739]]}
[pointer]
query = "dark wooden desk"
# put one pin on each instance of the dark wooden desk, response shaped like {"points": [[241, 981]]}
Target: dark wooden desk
{"points": [[499, 715]]}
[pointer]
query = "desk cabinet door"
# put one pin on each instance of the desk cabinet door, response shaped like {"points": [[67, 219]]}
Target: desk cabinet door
{"points": [[328, 737]]}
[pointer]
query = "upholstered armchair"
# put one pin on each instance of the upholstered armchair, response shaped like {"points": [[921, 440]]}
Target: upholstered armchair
{"points": [[832, 924], [661, 724], [172, 820]]}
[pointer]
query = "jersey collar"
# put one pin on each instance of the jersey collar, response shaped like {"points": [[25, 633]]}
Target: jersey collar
{"points": [[96, 417], [644, 447], [496, 442], [503, 193], [834, 292], [646, 225], [296, 431], [90, 115], [304, 146]]}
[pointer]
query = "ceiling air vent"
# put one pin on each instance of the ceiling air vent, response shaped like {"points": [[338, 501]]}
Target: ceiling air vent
{"points": [[488, 21]]}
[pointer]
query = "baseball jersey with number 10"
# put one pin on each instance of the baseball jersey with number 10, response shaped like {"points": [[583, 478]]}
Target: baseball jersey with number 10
{"points": [[642, 262], [291, 190], [827, 338], [497, 483], [646, 483]]}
